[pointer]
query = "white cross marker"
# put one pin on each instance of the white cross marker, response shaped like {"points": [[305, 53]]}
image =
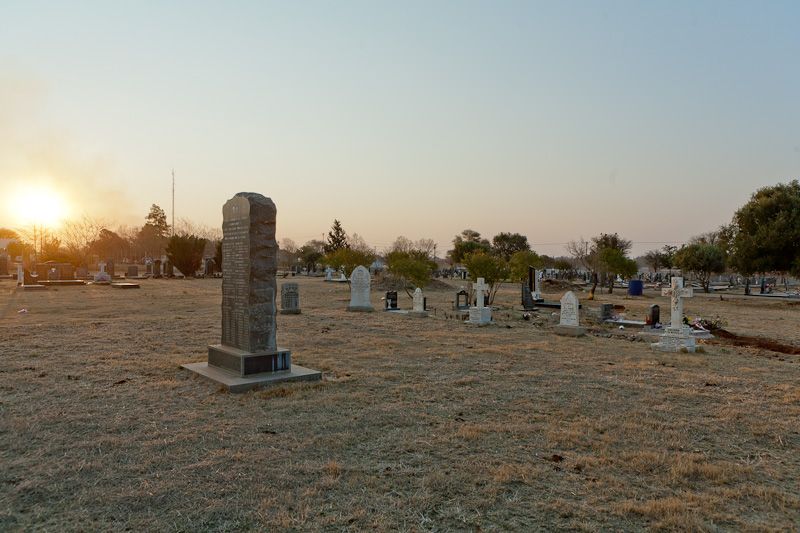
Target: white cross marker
{"points": [[677, 292], [480, 286]]}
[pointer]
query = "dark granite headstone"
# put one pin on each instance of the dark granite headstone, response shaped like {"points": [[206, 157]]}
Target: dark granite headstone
{"points": [[3, 265], [527, 298], [606, 311], [290, 299], [250, 262], [166, 269], [110, 268], [157, 268], [653, 315], [133, 271], [148, 269], [462, 301], [391, 300]]}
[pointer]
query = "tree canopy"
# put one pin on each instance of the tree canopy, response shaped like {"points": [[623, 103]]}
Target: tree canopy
{"points": [[765, 232]]}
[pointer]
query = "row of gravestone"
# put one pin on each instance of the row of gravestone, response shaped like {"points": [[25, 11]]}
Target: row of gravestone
{"points": [[248, 354]]}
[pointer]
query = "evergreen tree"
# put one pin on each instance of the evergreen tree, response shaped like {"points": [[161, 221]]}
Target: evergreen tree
{"points": [[337, 238]]}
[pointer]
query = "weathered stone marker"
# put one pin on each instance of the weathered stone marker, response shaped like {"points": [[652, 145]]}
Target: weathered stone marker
{"points": [[290, 299], [418, 304], [359, 290], [677, 337], [249, 355], [569, 323]]}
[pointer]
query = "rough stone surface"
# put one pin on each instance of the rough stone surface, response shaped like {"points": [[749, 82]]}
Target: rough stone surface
{"points": [[249, 265], [359, 290]]}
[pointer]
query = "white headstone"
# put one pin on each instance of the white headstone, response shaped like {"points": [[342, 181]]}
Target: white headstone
{"points": [[569, 310], [102, 275], [20, 274], [480, 314], [677, 337], [328, 274], [537, 285], [359, 290], [418, 301]]}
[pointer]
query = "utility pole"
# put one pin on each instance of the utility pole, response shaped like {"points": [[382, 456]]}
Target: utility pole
{"points": [[173, 202]]}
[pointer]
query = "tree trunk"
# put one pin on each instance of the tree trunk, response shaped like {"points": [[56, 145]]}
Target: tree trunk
{"points": [[610, 283], [594, 285]]}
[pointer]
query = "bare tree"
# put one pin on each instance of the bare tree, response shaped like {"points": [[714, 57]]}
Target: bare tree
{"points": [[78, 234]]}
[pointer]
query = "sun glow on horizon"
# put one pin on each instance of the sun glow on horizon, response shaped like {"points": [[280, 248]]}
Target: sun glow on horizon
{"points": [[37, 204]]}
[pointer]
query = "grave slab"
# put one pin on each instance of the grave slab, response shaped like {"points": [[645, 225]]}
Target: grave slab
{"points": [[234, 383]]}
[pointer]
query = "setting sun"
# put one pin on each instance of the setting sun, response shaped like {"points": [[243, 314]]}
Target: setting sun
{"points": [[38, 204]]}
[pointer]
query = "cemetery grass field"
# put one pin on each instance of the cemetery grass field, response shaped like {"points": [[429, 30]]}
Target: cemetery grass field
{"points": [[418, 424]]}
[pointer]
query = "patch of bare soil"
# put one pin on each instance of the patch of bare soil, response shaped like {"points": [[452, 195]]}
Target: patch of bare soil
{"points": [[756, 342], [418, 424]]}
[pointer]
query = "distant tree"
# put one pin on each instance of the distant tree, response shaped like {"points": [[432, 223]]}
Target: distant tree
{"points": [[337, 238], [412, 266], [611, 262], [702, 260], [218, 255], [152, 238], [506, 244], [157, 218], [562, 263], [108, 245], [614, 262], [348, 259], [493, 269], [311, 253], [185, 252], [765, 232], [287, 254], [468, 242], [586, 257], [77, 236], [653, 259], [519, 263], [6, 233]]}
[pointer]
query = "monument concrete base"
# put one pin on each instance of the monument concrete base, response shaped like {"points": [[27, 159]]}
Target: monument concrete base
{"points": [[125, 285], [676, 340], [243, 363], [236, 383], [290, 311], [480, 316], [569, 331], [360, 308], [418, 314], [31, 287]]}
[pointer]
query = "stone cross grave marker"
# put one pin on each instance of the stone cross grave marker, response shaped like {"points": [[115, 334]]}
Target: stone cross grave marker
{"points": [[102, 276], [569, 322], [480, 314], [248, 355], [359, 290], [677, 337], [290, 299], [677, 292]]}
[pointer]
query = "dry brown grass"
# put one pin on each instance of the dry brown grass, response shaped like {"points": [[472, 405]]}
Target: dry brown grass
{"points": [[418, 424]]}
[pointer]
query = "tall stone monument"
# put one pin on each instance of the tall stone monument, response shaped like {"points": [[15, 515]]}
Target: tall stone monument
{"points": [[248, 355], [677, 336], [569, 323], [359, 290]]}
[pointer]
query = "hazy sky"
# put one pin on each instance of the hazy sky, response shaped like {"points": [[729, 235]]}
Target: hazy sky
{"points": [[556, 120]]}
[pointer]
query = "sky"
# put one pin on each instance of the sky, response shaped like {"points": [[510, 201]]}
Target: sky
{"points": [[557, 120]]}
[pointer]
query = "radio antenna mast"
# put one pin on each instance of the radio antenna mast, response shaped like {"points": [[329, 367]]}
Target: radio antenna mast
{"points": [[173, 202]]}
